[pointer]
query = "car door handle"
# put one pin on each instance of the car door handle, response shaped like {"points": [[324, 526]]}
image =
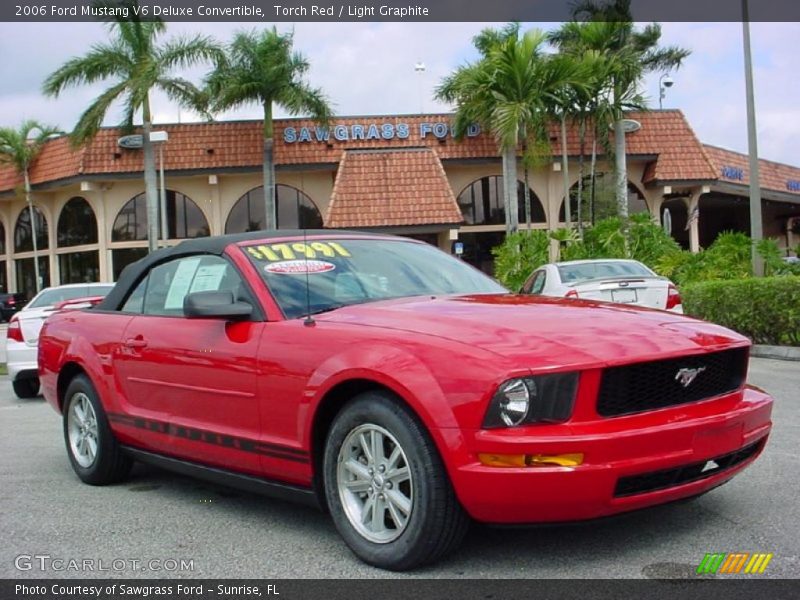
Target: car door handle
{"points": [[136, 342]]}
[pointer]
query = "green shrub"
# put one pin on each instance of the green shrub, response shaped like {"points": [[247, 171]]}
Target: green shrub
{"points": [[647, 242], [518, 256], [729, 257], [767, 310]]}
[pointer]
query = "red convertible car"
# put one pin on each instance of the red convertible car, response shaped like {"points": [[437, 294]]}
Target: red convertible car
{"points": [[396, 387]]}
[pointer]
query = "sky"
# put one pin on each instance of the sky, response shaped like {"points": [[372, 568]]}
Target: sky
{"points": [[368, 69]]}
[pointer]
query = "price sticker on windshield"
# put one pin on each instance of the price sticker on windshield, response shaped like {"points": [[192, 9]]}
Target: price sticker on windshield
{"points": [[298, 251]]}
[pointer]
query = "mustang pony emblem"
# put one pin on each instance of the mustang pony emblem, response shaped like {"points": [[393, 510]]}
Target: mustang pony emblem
{"points": [[686, 376]]}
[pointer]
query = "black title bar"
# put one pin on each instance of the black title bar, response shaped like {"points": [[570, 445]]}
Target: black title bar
{"points": [[393, 589], [388, 10]]}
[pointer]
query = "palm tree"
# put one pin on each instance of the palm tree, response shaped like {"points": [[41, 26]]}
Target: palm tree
{"points": [[632, 54], [508, 92], [262, 68], [136, 64], [588, 106], [20, 148]]}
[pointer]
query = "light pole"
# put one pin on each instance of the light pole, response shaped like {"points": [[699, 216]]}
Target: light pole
{"points": [[664, 82], [419, 68], [756, 231], [161, 137]]}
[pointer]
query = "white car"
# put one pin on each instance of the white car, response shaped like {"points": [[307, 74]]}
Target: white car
{"points": [[609, 280], [22, 338]]}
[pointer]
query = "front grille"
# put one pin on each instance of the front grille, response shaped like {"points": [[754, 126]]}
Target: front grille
{"points": [[660, 480], [647, 386]]}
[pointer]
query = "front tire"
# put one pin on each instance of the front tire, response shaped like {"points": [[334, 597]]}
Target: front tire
{"points": [[92, 448], [26, 388], [386, 486]]}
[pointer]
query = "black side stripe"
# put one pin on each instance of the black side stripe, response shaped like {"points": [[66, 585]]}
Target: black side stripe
{"points": [[210, 437]]}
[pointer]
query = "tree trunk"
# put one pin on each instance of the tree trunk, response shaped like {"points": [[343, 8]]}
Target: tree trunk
{"points": [[510, 188], [32, 214], [270, 216], [565, 170], [621, 171], [593, 177], [581, 166], [527, 188], [150, 186]]}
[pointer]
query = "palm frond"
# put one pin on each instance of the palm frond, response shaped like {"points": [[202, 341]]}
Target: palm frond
{"points": [[101, 62], [187, 52], [91, 119]]}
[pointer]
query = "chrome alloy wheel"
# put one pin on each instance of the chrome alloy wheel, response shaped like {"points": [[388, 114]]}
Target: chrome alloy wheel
{"points": [[375, 484], [82, 430]]}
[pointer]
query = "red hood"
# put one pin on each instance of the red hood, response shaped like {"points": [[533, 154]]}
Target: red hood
{"points": [[546, 332]]}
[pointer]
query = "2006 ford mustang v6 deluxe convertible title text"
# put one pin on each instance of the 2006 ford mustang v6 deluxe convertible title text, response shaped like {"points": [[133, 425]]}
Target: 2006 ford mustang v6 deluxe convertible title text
{"points": [[397, 387]]}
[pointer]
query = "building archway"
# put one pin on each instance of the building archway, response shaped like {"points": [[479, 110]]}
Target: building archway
{"points": [[295, 210], [185, 220], [605, 199], [481, 202], [23, 241], [77, 226], [23, 244], [678, 220]]}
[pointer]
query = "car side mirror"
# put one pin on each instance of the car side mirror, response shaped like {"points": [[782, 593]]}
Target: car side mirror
{"points": [[215, 305]]}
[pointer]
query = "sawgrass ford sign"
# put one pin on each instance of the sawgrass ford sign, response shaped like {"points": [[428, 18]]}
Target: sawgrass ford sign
{"points": [[377, 130]]}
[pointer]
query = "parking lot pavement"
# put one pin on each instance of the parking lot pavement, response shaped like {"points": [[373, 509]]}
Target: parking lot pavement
{"points": [[159, 516]]}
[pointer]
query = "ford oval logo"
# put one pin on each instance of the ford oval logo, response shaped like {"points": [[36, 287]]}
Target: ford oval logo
{"points": [[686, 376]]}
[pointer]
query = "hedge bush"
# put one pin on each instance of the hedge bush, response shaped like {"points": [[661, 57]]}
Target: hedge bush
{"points": [[767, 310]]}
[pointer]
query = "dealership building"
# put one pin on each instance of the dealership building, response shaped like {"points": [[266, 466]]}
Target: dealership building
{"points": [[402, 174]]}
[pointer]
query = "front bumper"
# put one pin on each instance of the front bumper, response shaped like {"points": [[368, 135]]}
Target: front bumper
{"points": [[674, 443], [21, 359]]}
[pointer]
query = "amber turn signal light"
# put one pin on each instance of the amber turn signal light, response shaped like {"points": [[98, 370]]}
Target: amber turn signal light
{"points": [[530, 460]]}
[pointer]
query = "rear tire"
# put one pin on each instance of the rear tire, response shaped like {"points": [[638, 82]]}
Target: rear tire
{"points": [[93, 450], [26, 388], [380, 460]]}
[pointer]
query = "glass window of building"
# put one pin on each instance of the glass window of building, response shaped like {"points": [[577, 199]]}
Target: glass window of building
{"points": [[77, 224], [23, 241], [79, 267], [481, 203], [26, 280], [295, 211], [122, 257], [184, 219]]}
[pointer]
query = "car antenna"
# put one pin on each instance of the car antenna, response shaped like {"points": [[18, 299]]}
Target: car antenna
{"points": [[309, 320]]}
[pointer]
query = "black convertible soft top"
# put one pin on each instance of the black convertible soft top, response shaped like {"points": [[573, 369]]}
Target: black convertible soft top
{"points": [[131, 274]]}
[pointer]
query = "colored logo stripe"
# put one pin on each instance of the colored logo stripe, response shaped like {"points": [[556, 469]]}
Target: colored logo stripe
{"points": [[734, 563]]}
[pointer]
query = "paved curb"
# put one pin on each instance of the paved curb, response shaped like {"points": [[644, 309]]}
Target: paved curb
{"points": [[776, 352]]}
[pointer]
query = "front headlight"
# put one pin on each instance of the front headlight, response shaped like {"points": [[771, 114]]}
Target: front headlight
{"points": [[537, 399]]}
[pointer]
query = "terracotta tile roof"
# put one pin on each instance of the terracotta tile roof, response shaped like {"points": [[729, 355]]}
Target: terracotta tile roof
{"points": [[391, 188], [734, 167], [665, 135]]}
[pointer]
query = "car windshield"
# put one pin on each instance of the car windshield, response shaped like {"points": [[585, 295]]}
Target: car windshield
{"points": [[328, 274], [602, 270], [55, 295]]}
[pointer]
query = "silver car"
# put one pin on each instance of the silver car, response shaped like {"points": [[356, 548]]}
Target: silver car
{"points": [[22, 339], [608, 280]]}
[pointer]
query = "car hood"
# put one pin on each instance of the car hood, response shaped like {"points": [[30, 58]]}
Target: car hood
{"points": [[546, 332]]}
